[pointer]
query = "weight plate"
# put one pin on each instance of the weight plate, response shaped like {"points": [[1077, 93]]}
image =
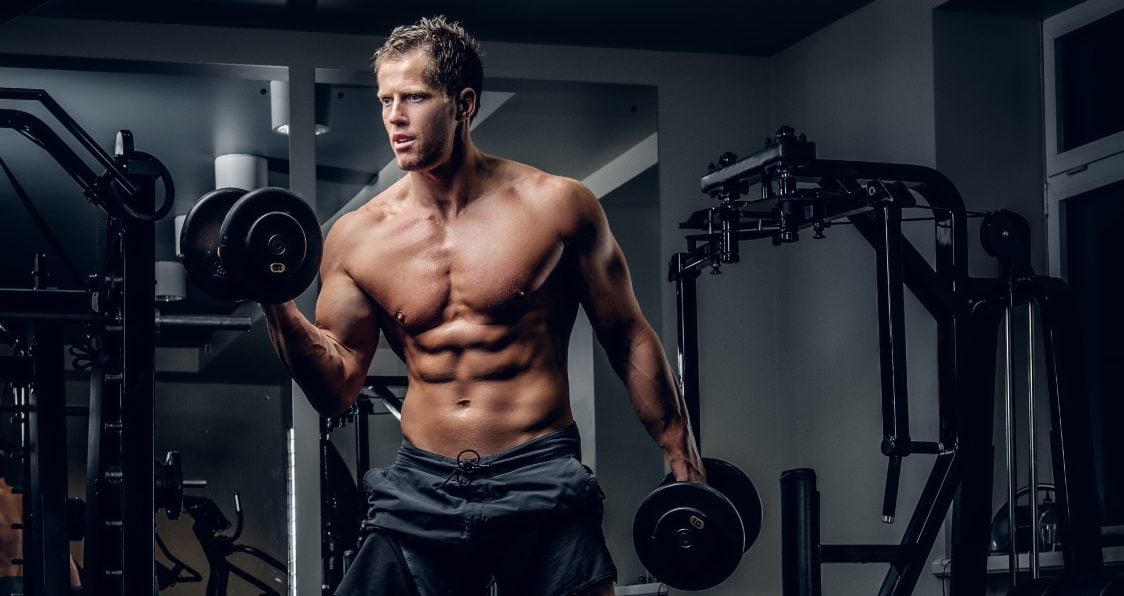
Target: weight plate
{"points": [[254, 222], [688, 535], [739, 489], [199, 244]]}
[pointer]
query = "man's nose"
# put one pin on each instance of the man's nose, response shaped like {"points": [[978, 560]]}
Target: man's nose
{"points": [[395, 113]]}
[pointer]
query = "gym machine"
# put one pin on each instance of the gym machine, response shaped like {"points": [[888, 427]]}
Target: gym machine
{"points": [[342, 503], [800, 192], [126, 485]]}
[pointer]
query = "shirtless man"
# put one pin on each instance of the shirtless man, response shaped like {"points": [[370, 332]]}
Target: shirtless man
{"points": [[473, 267]]}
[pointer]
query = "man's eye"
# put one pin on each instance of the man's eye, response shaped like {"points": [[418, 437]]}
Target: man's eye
{"points": [[385, 101], [415, 97]]}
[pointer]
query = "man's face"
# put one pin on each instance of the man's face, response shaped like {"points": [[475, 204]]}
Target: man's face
{"points": [[419, 119]]}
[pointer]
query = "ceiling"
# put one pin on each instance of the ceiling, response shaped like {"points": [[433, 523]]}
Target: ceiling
{"points": [[746, 27]]}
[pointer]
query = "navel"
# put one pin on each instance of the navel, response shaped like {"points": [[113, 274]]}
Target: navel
{"points": [[400, 317]]}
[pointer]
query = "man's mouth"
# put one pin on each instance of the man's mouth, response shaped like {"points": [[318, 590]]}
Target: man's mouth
{"points": [[401, 141]]}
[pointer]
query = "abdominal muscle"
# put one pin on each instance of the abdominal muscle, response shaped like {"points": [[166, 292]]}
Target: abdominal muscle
{"points": [[490, 390]]}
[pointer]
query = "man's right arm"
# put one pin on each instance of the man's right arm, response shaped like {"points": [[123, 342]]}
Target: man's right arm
{"points": [[329, 360]]}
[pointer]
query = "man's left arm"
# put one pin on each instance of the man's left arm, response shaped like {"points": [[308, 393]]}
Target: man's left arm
{"points": [[634, 349]]}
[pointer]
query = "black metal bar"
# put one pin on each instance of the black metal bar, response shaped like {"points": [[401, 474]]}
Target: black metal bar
{"points": [[46, 550], [39, 133], [46, 304], [891, 326], [787, 149], [101, 546], [800, 533], [929, 289], [924, 525], [863, 553], [362, 440], [231, 322], [686, 302], [971, 520], [890, 493], [331, 567], [1072, 450], [138, 398], [943, 196], [74, 129]]}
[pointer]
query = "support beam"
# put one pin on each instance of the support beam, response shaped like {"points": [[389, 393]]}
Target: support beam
{"points": [[624, 167]]}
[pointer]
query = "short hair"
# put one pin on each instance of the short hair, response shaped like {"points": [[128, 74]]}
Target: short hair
{"points": [[455, 56]]}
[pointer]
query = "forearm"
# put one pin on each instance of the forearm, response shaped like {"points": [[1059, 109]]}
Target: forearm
{"points": [[639, 360], [315, 360]]}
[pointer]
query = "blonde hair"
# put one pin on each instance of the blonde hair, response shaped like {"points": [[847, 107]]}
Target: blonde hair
{"points": [[454, 55]]}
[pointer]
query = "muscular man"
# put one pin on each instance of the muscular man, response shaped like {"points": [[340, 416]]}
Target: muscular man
{"points": [[473, 267]]}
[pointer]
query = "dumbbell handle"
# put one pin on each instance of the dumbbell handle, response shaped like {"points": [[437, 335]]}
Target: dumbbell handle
{"points": [[195, 484]]}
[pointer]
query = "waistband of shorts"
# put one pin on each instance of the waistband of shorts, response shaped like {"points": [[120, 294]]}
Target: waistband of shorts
{"points": [[561, 443]]}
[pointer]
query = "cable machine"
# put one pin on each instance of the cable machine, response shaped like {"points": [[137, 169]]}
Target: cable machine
{"points": [[799, 193]]}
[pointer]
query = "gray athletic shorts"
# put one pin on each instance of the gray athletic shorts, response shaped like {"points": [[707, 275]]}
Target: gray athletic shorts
{"points": [[528, 517]]}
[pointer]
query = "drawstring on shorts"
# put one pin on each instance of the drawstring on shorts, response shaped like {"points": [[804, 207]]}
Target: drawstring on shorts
{"points": [[466, 468]]}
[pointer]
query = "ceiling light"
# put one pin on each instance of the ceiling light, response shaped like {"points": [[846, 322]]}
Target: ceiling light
{"points": [[241, 170]]}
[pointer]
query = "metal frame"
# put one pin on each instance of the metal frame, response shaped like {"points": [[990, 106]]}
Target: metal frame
{"points": [[801, 192], [336, 555], [119, 304]]}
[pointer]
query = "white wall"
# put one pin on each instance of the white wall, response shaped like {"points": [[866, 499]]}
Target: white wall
{"points": [[862, 89]]}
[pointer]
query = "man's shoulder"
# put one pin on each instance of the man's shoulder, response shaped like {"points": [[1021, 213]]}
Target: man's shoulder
{"points": [[532, 184], [353, 225], [376, 210]]}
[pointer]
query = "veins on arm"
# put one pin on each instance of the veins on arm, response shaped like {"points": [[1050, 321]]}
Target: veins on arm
{"points": [[633, 347], [329, 359]]}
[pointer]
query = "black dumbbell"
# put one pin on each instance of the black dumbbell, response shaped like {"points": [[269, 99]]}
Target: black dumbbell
{"points": [[264, 245], [692, 536]]}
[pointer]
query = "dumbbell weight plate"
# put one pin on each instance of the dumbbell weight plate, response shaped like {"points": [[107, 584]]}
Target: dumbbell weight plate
{"points": [[271, 242], [199, 244], [688, 535], [739, 489]]}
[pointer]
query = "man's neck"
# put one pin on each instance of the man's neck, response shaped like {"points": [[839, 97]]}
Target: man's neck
{"points": [[449, 188]]}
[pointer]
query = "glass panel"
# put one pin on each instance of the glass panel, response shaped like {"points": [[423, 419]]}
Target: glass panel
{"points": [[1093, 257], [1089, 62]]}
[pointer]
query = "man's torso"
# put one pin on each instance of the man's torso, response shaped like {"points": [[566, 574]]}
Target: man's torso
{"points": [[479, 306]]}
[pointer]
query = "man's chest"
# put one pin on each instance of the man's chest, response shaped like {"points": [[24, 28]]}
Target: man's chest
{"points": [[425, 274]]}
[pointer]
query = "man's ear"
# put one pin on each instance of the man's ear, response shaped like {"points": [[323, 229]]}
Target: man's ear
{"points": [[467, 102]]}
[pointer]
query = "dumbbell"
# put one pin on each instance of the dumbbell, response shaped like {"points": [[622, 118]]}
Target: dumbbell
{"points": [[692, 536], [264, 245]]}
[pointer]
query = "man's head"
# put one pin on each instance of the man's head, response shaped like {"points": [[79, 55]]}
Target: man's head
{"points": [[454, 56]]}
